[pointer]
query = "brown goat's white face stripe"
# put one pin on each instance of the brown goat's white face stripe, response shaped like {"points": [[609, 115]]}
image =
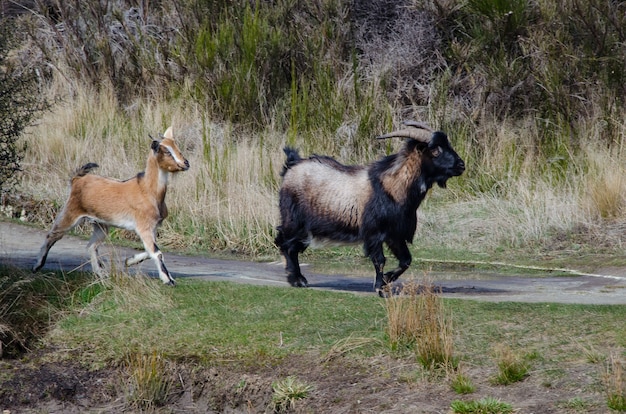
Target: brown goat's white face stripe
{"points": [[175, 153]]}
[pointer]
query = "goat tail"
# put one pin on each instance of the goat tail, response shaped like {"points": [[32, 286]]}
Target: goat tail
{"points": [[293, 158], [85, 169]]}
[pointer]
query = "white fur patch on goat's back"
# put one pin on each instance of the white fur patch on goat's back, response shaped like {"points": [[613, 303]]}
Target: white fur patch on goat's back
{"points": [[336, 194]]}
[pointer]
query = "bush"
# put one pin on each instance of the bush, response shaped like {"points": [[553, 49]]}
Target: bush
{"points": [[20, 103]]}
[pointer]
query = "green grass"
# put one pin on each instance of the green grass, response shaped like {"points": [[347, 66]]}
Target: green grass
{"points": [[482, 406], [138, 324], [462, 384], [220, 321]]}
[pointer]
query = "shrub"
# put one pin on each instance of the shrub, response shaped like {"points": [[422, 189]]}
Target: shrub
{"points": [[20, 103]]}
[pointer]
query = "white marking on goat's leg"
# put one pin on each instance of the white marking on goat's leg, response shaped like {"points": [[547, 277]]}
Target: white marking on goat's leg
{"points": [[100, 231], [61, 225], [149, 243], [138, 258]]}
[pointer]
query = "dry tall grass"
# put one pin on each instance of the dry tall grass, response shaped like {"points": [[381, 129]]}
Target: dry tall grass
{"points": [[510, 195], [416, 315], [148, 382], [226, 201]]}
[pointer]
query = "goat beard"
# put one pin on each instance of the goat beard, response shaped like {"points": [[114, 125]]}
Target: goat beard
{"points": [[442, 182]]}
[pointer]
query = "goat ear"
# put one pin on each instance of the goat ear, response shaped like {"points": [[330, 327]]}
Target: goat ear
{"points": [[168, 133], [155, 145]]}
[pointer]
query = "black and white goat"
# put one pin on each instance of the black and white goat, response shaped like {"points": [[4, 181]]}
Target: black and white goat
{"points": [[322, 200]]}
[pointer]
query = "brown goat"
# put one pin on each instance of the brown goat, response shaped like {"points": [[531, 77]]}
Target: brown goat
{"points": [[137, 204]]}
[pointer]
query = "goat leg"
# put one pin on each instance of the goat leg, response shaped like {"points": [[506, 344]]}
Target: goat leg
{"points": [[100, 232], [402, 253], [290, 249], [147, 236], [62, 224], [375, 252], [294, 274]]}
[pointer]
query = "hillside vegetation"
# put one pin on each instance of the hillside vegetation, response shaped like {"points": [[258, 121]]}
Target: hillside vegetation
{"points": [[531, 94]]}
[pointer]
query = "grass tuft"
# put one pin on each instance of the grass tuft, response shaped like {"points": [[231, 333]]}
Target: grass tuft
{"points": [[511, 367], [462, 384], [148, 384], [416, 317], [287, 392], [30, 303], [614, 379], [486, 405]]}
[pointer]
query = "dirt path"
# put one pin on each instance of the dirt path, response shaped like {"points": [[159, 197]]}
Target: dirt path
{"points": [[19, 246]]}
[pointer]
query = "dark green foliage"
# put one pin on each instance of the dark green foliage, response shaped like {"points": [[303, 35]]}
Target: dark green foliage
{"points": [[554, 61], [342, 70], [20, 103]]}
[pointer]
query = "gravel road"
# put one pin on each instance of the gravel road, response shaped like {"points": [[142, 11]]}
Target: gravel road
{"points": [[19, 245]]}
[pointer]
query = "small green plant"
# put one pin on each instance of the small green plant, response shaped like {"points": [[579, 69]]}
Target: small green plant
{"points": [[462, 384], [287, 391], [486, 405], [575, 404], [148, 382], [511, 367], [615, 384], [592, 355]]}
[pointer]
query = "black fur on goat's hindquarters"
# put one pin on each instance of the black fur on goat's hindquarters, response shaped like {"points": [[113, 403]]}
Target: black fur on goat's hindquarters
{"points": [[375, 204]]}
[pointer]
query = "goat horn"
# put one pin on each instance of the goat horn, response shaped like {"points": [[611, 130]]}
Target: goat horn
{"points": [[421, 132], [420, 125]]}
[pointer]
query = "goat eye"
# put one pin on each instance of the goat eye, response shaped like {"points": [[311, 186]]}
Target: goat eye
{"points": [[436, 152]]}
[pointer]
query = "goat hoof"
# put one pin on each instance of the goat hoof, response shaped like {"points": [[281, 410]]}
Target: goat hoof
{"points": [[170, 283], [297, 281], [383, 293]]}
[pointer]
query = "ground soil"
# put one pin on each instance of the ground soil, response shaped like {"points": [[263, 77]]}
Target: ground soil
{"points": [[341, 384]]}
